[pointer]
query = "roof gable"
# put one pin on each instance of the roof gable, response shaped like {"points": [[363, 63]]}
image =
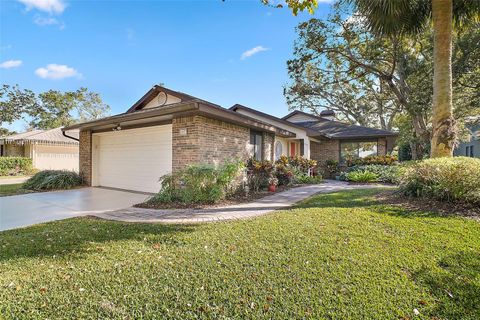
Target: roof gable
{"points": [[160, 96]]}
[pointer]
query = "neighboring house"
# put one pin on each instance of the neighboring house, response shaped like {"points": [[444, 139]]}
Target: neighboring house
{"points": [[166, 130], [49, 149], [471, 147]]}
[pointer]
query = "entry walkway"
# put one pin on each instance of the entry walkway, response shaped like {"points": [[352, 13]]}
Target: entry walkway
{"points": [[259, 207]]}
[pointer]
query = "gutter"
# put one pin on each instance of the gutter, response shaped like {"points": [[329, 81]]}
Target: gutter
{"points": [[67, 136]]}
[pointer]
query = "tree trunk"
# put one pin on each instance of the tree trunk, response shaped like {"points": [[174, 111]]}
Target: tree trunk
{"points": [[443, 131]]}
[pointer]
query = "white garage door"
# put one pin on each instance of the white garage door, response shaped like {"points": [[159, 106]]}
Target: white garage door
{"points": [[132, 159]]}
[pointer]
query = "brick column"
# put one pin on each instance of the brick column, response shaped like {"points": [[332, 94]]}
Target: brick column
{"points": [[268, 148], [85, 156], [382, 147]]}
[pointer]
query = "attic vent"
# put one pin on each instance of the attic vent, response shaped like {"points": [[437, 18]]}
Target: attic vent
{"points": [[328, 114]]}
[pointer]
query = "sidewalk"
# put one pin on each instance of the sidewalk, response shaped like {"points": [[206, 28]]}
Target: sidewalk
{"points": [[259, 207], [13, 180]]}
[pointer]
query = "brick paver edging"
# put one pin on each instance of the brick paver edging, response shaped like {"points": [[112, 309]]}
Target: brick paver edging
{"points": [[256, 208]]}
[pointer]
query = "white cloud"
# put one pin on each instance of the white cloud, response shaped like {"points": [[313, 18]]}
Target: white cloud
{"points": [[43, 21], [10, 64], [50, 6], [57, 71], [251, 52]]}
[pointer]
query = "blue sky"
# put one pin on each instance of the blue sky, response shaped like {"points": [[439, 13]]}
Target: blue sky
{"points": [[121, 48]]}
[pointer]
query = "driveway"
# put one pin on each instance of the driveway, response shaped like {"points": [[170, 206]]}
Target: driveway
{"points": [[24, 210]]}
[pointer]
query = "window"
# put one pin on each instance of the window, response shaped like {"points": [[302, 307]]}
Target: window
{"points": [[256, 145], [353, 150], [1, 150], [278, 150], [469, 151]]}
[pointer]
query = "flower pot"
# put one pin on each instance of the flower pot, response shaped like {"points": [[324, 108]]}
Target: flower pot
{"points": [[271, 188]]}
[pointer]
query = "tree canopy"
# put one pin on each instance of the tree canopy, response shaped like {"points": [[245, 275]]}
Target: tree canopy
{"points": [[50, 109]]}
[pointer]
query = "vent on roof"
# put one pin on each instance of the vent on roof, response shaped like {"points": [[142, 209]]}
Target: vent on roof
{"points": [[328, 114]]}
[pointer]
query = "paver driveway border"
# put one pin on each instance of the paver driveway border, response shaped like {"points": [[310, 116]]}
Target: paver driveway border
{"points": [[280, 200]]}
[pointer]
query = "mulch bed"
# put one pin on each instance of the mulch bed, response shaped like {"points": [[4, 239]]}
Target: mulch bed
{"points": [[393, 197], [236, 199]]}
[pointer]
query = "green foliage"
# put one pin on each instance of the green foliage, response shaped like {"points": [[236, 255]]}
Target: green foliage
{"points": [[361, 260], [446, 179], [50, 109], [304, 179], [259, 173], [199, 183], [386, 160], [15, 166], [384, 173], [362, 176], [53, 180]]}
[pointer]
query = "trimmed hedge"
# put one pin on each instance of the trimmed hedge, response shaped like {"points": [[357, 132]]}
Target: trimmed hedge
{"points": [[445, 179], [14, 166], [384, 173], [53, 180]]}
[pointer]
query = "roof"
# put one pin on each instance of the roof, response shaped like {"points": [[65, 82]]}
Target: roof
{"points": [[339, 130], [268, 116], [52, 136], [152, 93], [165, 113]]}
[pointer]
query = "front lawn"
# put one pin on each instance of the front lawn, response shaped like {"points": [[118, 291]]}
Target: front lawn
{"points": [[11, 189], [335, 256]]}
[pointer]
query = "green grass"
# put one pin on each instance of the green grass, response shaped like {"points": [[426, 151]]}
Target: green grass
{"points": [[10, 189], [335, 256]]}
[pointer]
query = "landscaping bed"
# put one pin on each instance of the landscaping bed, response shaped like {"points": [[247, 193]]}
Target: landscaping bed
{"points": [[335, 256]]}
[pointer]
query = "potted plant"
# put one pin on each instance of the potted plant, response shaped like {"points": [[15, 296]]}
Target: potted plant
{"points": [[272, 183]]}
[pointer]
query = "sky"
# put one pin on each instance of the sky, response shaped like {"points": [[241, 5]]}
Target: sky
{"points": [[225, 52]]}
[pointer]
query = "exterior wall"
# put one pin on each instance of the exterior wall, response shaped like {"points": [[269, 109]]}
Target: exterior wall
{"points": [[268, 146], [325, 150], [154, 103], [14, 150], [300, 133], [85, 156], [200, 139], [382, 147], [474, 140]]}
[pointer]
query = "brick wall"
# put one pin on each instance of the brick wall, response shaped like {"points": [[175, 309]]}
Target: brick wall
{"points": [[208, 141], [325, 150], [268, 147], [14, 150], [85, 156], [382, 147]]}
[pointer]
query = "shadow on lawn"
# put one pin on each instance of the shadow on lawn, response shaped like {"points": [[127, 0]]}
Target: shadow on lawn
{"points": [[456, 286], [80, 235]]}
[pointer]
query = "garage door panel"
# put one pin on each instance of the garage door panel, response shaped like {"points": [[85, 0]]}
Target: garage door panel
{"points": [[133, 159]]}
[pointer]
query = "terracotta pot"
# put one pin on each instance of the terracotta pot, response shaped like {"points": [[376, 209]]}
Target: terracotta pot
{"points": [[271, 188]]}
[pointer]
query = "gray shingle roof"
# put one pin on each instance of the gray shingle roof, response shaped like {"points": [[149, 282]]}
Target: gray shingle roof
{"points": [[340, 130]]}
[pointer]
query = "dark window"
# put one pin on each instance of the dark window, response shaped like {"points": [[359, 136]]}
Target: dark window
{"points": [[1, 150], [355, 150], [467, 151], [471, 151], [256, 145]]}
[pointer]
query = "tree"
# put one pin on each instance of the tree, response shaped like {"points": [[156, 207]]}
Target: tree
{"points": [[51, 109], [14, 103], [393, 17], [342, 66]]}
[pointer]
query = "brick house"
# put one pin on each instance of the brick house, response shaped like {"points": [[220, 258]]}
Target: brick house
{"points": [[166, 130]]}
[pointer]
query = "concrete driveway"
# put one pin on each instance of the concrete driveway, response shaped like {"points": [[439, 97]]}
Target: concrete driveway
{"points": [[24, 210]]}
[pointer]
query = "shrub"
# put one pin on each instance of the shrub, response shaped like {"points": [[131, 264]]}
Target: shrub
{"points": [[387, 174], [284, 174], [445, 179], [362, 176], [386, 160], [53, 180], [14, 166], [199, 183], [259, 173], [294, 169], [308, 179]]}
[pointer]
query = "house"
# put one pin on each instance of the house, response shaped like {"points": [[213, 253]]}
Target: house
{"points": [[48, 149], [471, 147], [166, 130]]}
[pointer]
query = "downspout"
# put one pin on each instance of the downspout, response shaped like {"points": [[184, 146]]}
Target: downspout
{"points": [[66, 135]]}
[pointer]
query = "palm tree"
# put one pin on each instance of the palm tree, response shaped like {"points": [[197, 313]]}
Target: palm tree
{"points": [[411, 17]]}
